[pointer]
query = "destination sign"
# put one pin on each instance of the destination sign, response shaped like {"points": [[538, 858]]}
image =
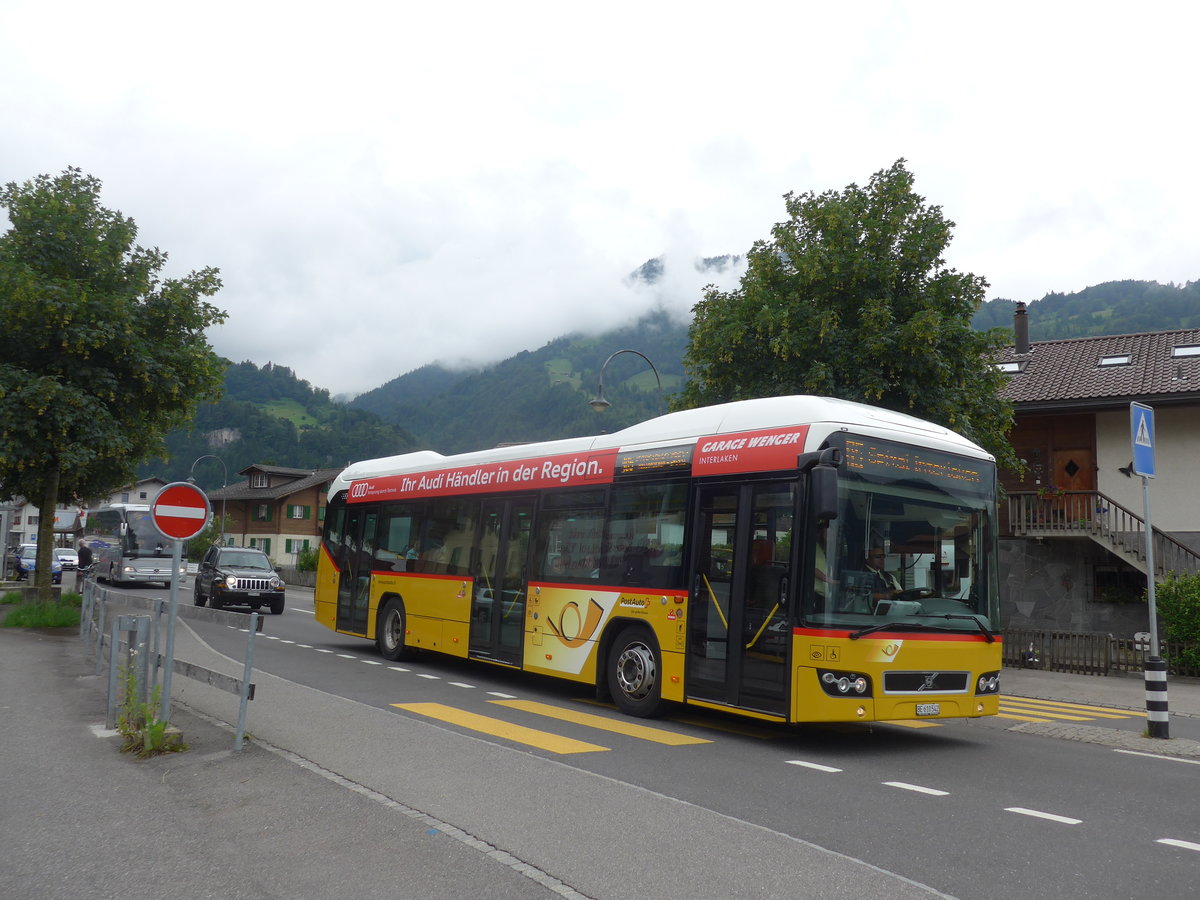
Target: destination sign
{"points": [[876, 459], [658, 461]]}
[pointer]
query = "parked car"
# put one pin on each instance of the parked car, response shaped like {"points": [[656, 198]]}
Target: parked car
{"points": [[68, 557], [238, 576], [27, 564]]}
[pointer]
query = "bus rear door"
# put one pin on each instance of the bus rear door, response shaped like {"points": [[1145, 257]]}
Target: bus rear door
{"points": [[500, 579]]}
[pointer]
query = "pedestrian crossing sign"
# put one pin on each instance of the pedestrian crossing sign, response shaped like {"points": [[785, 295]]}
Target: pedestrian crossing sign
{"points": [[1141, 421]]}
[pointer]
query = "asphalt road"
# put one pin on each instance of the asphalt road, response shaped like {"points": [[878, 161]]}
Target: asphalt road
{"points": [[963, 808]]}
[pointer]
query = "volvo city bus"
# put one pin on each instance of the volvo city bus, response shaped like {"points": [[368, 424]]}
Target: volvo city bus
{"points": [[716, 557], [126, 547]]}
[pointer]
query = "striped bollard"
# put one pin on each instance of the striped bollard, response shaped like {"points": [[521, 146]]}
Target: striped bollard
{"points": [[1156, 698]]}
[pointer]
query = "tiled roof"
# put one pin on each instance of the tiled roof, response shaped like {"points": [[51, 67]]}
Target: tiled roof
{"points": [[1069, 373], [278, 490]]}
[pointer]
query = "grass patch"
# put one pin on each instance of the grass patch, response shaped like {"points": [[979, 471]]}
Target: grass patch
{"points": [[59, 614], [289, 409]]}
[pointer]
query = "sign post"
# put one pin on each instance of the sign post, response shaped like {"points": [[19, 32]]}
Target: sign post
{"points": [[179, 512], [1141, 427]]}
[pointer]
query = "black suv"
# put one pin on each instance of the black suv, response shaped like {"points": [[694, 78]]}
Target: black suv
{"points": [[239, 576]]}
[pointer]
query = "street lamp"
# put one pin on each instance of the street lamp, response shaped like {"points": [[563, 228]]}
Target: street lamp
{"points": [[598, 403], [224, 484]]}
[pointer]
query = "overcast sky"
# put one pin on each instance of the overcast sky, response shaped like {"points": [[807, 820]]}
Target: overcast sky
{"points": [[387, 184]]}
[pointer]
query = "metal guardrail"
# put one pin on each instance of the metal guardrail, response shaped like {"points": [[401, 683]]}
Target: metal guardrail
{"points": [[1090, 652], [138, 638]]}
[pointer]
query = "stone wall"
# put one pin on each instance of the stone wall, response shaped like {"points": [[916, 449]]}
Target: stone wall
{"points": [[1050, 585]]}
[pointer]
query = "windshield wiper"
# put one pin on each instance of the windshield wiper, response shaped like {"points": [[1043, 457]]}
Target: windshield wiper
{"points": [[882, 626], [986, 633]]}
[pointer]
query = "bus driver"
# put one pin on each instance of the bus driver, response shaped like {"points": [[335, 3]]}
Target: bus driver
{"points": [[884, 585]]}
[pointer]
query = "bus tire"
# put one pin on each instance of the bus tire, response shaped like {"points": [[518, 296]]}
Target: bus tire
{"points": [[390, 626], [635, 673]]}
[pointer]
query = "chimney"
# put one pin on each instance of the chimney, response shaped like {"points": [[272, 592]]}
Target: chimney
{"points": [[1021, 329]]}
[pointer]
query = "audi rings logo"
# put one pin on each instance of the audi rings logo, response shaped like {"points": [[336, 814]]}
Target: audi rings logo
{"points": [[359, 490]]}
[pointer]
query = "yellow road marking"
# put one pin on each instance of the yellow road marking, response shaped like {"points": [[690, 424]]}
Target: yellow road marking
{"points": [[1103, 712], [633, 729], [1020, 718], [543, 740], [1051, 714], [909, 723]]}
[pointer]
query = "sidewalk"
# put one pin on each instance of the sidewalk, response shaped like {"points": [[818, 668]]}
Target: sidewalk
{"points": [[1124, 690], [319, 800]]}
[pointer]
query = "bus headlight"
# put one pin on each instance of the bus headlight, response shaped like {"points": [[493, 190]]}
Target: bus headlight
{"points": [[988, 683], [844, 684]]}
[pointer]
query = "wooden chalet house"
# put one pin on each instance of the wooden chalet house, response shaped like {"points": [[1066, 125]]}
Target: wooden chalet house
{"points": [[276, 509], [1072, 528]]}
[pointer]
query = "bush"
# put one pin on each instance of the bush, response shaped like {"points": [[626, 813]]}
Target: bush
{"points": [[1177, 601], [307, 560]]}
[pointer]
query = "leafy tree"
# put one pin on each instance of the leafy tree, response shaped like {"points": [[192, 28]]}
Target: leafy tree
{"points": [[851, 298], [99, 355], [217, 526]]}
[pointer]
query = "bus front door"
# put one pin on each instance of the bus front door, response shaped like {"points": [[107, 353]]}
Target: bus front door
{"points": [[354, 562], [498, 605], [739, 630]]}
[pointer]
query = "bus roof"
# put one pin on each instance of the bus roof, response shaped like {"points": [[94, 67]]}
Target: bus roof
{"points": [[816, 416]]}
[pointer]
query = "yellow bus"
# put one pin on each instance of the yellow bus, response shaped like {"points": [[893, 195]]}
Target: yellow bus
{"points": [[727, 557]]}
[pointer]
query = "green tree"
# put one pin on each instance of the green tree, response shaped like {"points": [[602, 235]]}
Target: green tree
{"points": [[99, 355], [851, 298], [1177, 602]]}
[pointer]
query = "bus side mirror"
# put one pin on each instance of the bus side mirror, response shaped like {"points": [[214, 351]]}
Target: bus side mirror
{"points": [[823, 483], [124, 528]]}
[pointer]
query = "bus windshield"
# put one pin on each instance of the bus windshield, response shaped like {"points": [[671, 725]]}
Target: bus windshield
{"points": [[142, 539], [912, 545], [126, 532]]}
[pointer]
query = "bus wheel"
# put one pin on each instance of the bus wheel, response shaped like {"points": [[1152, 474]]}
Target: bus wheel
{"points": [[635, 673], [389, 631]]}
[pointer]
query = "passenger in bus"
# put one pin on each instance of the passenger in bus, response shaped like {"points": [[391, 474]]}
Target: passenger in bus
{"points": [[884, 585]]}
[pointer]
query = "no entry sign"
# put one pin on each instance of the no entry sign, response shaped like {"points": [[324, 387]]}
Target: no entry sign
{"points": [[180, 511]]}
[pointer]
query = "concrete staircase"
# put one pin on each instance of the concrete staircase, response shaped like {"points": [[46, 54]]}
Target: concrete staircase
{"points": [[1093, 515]]}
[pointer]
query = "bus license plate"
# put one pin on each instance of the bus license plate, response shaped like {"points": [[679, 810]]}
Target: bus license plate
{"points": [[929, 709]]}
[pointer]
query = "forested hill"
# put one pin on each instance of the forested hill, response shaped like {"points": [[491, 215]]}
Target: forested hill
{"points": [[541, 394], [1115, 307], [268, 415], [538, 394]]}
